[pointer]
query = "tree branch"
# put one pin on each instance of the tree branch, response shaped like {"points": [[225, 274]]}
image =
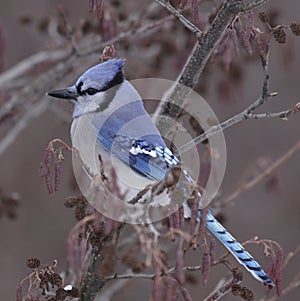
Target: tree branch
{"points": [[246, 186], [282, 115], [248, 112], [220, 292], [194, 65], [92, 283], [254, 4], [29, 63], [37, 88], [188, 24], [153, 275], [295, 283], [21, 124]]}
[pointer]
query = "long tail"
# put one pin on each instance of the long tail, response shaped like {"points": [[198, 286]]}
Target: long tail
{"points": [[236, 249]]}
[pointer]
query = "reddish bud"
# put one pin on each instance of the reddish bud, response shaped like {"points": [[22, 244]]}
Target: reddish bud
{"points": [[195, 12], [235, 43], [91, 5], [183, 4], [185, 294], [180, 271], [99, 8], [19, 293], [212, 250], [278, 272], [170, 289], [202, 224], [45, 164], [58, 174], [206, 264], [157, 292]]}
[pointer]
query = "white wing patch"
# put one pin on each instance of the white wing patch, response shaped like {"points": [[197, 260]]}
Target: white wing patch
{"points": [[138, 150], [141, 146]]}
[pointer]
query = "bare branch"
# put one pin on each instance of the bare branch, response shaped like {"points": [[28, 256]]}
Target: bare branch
{"points": [[262, 175], [295, 283], [220, 292], [282, 115], [195, 64], [188, 24], [151, 276], [29, 63], [254, 4], [247, 113], [131, 276], [107, 294], [42, 83], [91, 283], [97, 43], [265, 95], [290, 256], [22, 123]]}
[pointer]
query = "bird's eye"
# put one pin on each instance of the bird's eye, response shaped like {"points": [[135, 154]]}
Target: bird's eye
{"points": [[91, 91]]}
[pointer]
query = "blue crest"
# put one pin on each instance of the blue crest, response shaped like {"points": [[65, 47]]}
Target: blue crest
{"points": [[101, 76]]}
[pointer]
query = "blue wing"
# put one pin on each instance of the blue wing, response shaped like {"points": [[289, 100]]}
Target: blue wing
{"points": [[144, 157], [153, 161]]}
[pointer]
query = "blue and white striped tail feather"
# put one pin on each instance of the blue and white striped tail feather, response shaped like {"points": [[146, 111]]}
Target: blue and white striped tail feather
{"points": [[237, 250]]}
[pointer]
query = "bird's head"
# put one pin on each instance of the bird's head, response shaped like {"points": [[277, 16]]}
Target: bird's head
{"points": [[89, 91]]}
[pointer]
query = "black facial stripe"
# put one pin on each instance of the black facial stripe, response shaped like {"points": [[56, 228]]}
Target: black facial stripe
{"points": [[117, 80], [78, 88]]}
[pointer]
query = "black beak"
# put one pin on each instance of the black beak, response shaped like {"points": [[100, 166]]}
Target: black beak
{"points": [[68, 93]]}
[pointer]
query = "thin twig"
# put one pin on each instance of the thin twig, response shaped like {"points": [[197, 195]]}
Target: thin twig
{"points": [[22, 123], [220, 292], [152, 275], [97, 43], [188, 24], [265, 95], [255, 4], [29, 63], [282, 115], [46, 80], [263, 175], [290, 256], [248, 112], [293, 285], [216, 129], [108, 293]]}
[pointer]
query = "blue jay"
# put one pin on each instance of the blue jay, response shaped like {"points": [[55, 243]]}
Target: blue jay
{"points": [[125, 134]]}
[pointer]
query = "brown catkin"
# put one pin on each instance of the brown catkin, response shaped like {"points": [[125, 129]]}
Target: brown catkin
{"points": [[236, 290], [280, 36], [61, 294], [263, 17], [33, 262], [55, 279], [295, 28], [247, 294]]}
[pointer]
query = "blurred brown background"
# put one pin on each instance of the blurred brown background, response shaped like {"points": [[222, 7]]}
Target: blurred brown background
{"points": [[43, 222]]}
